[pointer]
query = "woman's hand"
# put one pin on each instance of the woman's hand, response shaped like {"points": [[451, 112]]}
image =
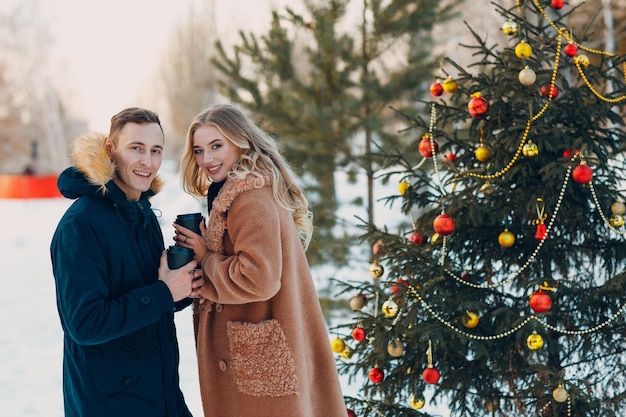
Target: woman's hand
{"points": [[189, 239]]}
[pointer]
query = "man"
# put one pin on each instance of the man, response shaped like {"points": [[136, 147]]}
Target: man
{"points": [[115, 294]]}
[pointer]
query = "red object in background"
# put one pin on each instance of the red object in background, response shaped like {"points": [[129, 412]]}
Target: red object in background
{"points": [[398, 287], [540, 301], [478, 106], [550, 91], [376, 375], [570, 50], [29, 186], [431, 375], [558, 4], [426, 149], [436, 89], [582, 174], [417, 238], [443, 224], [351, 413], [358, 334], [541, 231]]}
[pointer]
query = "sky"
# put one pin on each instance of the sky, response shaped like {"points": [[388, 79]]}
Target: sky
{"points": [[107, 53]]}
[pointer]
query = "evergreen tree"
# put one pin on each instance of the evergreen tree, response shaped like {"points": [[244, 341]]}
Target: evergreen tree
{"points": [[506, 294], [321, 89]]}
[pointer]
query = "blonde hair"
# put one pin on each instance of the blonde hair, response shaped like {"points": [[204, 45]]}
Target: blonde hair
{"points": [[260, 157]]}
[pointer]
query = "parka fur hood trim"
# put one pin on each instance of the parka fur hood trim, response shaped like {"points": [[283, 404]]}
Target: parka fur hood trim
{"points": [[232, 188], [90, 156]]}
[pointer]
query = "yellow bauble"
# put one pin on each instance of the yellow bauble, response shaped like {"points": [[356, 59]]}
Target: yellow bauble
{"points": [[416, 401], [338, 345], [523, 50], [618, 208], [403, 187], [470, 320], [506, 239], [616, 220], [530, 149], [449, 85], [395, 348], [582, 59], [534, 341], [390, 308], [482, 153]]}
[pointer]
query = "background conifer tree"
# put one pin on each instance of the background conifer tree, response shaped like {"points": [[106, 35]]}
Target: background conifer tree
{"points": [[506, 295]]}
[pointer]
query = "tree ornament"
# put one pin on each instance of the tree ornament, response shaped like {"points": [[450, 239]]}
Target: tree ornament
{"points": [[376, 270], [542, 231], [558, 4], [377, 248], [398, 287], [416, 401], [527, 76], [530, 149], [416, 238], [358, 334], [390, 308], [570, 50], [450, 86], [431, 375], [616, 221], [436, 89], [403, 187], [427, 147], [444, 224], [550, 91], [450, 157], [523, 50], [510, 28], [470, 319], [540, 301], [358, 302], [465, 275], [482, 153], [560, 394], [395, 348], [347, 352], [478, 106], [351, 413], [618, 208], [506, 239], [582, 174], [534, 341], [582, 60], [338, 344], [376, 375]]}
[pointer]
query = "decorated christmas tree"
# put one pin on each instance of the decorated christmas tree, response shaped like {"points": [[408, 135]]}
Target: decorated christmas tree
{"points": [[503, 292]]}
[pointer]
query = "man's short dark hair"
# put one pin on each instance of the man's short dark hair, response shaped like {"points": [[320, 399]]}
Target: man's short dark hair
{"points": [[131, 115]]}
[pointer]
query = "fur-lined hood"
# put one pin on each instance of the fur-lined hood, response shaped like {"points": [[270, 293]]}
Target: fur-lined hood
{"points": [[91, 159]]}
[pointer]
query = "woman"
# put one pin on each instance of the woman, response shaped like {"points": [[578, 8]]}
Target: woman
{"points": [[262, 345]]}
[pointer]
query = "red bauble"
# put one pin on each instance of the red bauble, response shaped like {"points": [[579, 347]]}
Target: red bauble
{"points": [[443, 224], [450, 157], [377, 248], [540, 301], [478, 106], [436, 89], [431, 375], [558, 4], [425, 147], [570, 50], [417, 238], [358, 334], [541, 231], [550, 91], [351, 413], [398, 287], [582, 174], [465, 276], [376, 375]]}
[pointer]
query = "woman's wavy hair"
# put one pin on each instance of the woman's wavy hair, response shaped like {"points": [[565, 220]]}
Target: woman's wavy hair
{"points": [[260, 157]]}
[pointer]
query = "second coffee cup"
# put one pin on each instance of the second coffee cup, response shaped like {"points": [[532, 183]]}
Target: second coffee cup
{"points": [[191, 221]]}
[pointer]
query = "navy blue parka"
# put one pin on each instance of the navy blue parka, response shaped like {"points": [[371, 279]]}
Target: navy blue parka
{"points": [[120, 356]]}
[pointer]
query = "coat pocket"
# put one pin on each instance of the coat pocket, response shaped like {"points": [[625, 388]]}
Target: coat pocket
{"points": [[262, 362]]}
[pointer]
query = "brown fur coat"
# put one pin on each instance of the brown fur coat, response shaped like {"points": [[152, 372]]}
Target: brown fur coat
{"points": [[263, 347]]}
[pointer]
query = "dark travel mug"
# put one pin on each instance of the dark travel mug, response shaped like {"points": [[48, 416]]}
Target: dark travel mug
{"points": [[191, 221], [178, 256]]}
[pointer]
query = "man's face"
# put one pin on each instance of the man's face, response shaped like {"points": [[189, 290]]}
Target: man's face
{"points": [[138, 156]]}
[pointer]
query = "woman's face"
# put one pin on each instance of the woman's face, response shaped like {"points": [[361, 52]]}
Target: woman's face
{"points": [[214, 154]]}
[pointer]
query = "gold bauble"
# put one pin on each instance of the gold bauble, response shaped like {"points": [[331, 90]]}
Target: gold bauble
{"points": [[534, 341], [506, 239], [618, 208], [560, 394], [530, 149], [357, 302], [450, 86], [582, 59], [403, 187], [390, 308], [509, 28], [470, 320], [482, 153], [395, 348], [416, 401], [376, 270], [616, 220], [337, 345], [347, 352]]}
